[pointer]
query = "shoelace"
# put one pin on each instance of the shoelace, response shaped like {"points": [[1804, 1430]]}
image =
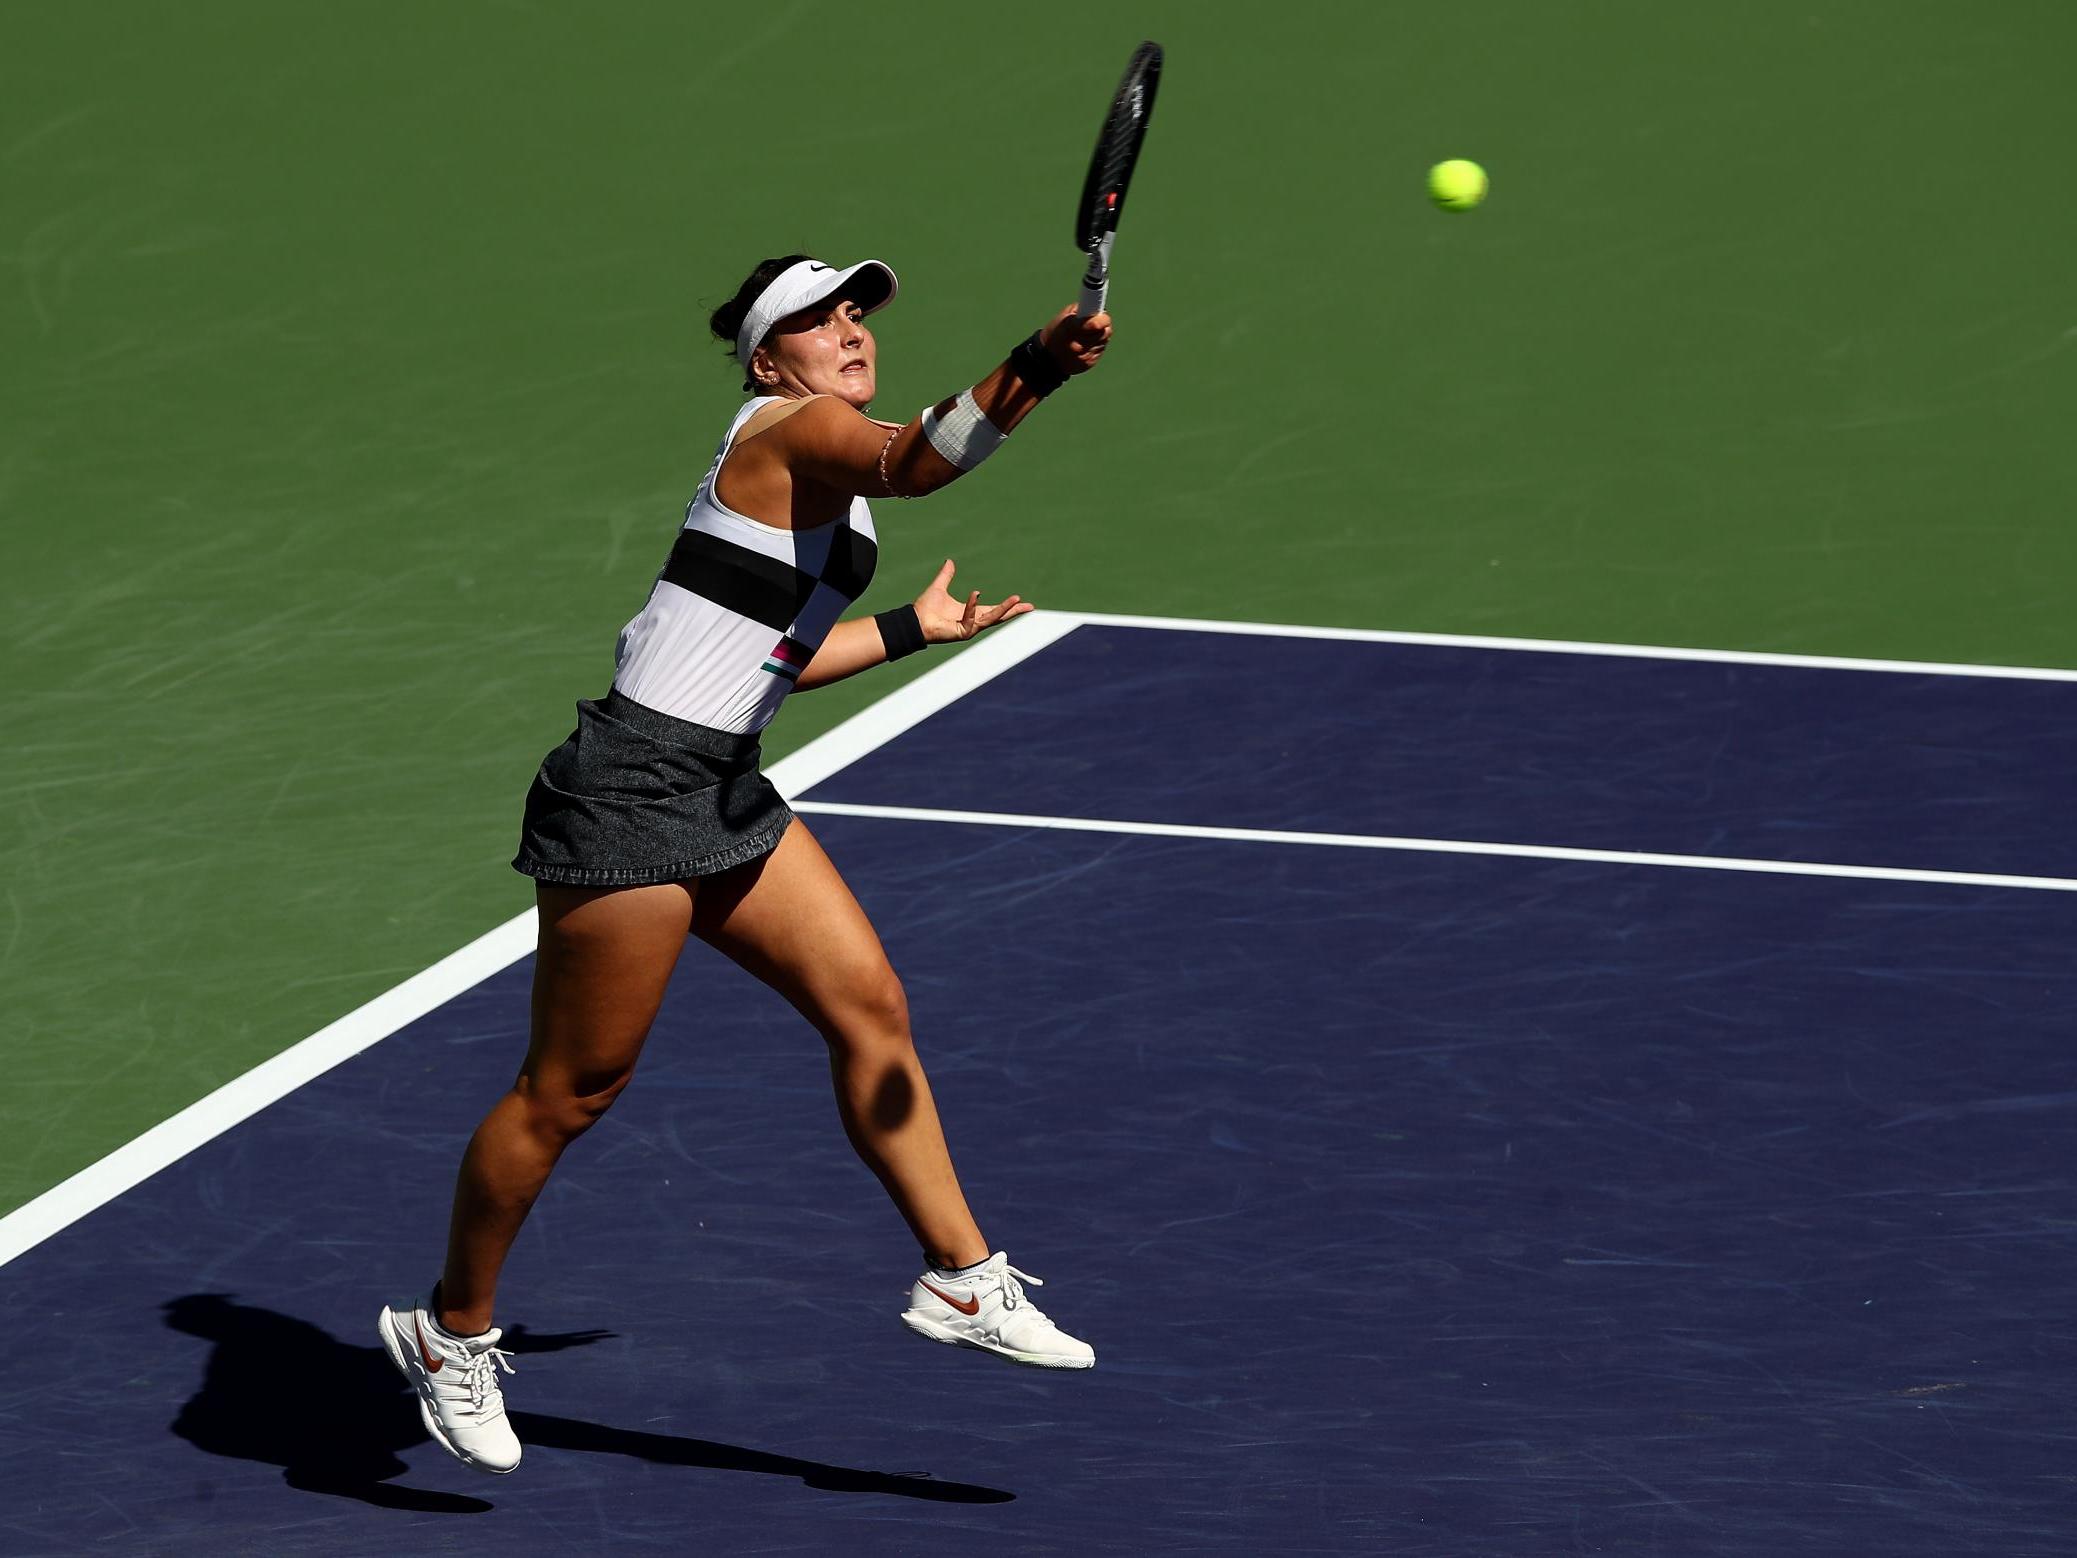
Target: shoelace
{"points": [[1013, 1291], [481, 1377]]}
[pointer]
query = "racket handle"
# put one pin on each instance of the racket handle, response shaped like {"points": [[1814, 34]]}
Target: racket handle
{"points": [[1096, 284]]}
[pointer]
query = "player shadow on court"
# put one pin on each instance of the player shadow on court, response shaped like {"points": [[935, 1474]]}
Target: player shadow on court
{"points": [[269, 1373]]}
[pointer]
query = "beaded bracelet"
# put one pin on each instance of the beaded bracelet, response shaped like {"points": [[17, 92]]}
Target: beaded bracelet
{"points": [[886, 480]]}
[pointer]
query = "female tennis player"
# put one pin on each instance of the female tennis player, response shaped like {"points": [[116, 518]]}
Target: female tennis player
{"points": [[652, 822]]}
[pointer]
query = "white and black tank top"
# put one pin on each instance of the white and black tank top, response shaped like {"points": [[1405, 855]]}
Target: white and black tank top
{"points": [[741, 607]]}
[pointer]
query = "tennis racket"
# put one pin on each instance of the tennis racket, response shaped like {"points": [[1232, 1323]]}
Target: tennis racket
{"points": [[1110, 172]]}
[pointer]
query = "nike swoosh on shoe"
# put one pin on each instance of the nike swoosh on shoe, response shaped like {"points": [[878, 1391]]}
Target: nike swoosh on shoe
{"points": [[966, 1306]]}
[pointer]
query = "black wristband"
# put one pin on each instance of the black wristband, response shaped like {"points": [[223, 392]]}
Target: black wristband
{"points": [[1034, 365], [901, 631]]}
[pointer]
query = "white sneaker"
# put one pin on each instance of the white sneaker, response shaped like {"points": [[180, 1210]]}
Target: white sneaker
{"points": [[456, 1379], [986, 1309]]}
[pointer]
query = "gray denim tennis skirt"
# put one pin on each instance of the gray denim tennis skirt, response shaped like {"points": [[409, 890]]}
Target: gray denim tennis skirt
{"points": [[635, 797]]}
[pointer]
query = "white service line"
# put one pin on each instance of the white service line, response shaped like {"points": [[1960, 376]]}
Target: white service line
{"points": [[244, 1096], [1618, 857]]}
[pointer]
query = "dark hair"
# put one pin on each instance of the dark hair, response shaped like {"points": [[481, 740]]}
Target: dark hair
{"points": [[727, 320]]}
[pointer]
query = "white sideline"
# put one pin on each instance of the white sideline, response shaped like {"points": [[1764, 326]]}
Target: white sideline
{"points": [[877, 724], [208, 1117], [1620, 857], [1567, 646], [244, 1096]]}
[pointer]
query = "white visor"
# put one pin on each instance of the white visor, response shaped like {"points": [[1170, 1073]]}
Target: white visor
{"points": [[794, 288]]}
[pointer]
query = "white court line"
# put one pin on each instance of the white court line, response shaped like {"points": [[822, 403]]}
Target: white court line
{"points": [[210, 1116], [202, 1121], [239, 1099], [1566, 646], [1619, 857], [879, 723]]}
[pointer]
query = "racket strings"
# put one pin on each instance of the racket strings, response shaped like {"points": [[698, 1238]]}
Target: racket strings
{"points": [[1118, 148]]}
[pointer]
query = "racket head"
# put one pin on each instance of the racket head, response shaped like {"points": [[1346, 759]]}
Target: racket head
{"points": [[1117, 149]]}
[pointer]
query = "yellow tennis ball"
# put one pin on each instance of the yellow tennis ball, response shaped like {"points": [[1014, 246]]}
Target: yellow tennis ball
{"points": [[1457, 185]]}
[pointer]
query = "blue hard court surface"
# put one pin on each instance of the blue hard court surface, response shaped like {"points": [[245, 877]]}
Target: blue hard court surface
{"points": [[1415, 1203]]}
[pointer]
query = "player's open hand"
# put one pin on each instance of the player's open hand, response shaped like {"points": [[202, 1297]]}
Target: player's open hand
{"points": [[947, 620], [1075, 341]]}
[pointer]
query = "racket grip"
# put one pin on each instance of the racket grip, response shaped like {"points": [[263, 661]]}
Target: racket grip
{"points": [[1096, 281]]}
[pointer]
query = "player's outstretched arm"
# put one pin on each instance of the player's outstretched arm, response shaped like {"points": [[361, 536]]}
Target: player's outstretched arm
{"points": [[859, 644], [838, 447]]}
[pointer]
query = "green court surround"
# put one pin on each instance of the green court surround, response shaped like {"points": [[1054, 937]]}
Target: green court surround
{"points": [[356, 374]]}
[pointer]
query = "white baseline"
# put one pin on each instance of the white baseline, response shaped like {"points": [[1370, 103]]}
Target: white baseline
{"points": [[242, 1097]]}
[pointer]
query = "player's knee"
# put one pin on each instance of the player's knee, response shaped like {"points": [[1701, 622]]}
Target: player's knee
{"points": [[875, 1008], [566, 1111], [885, 1001]]}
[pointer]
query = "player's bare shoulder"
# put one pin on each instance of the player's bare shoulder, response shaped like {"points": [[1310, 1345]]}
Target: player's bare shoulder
{"points": [[825, 423], [832, 443]]}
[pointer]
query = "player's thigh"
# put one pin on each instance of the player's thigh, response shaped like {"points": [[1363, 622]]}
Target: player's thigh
{"points": [[604, 961], [792, 920]]}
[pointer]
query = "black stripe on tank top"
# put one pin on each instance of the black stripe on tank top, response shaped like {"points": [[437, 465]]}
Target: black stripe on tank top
{"points": [[750, 584], [852, 559]]}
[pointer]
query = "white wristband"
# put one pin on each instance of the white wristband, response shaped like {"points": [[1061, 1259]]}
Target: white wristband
{"points": [[962, 435]]}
